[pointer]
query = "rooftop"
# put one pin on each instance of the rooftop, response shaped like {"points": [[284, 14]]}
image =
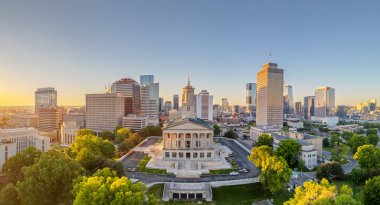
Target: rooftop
{"points": [[185, 120]]}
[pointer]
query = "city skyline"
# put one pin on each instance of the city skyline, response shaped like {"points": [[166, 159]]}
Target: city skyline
{"points": [[59, 44]]}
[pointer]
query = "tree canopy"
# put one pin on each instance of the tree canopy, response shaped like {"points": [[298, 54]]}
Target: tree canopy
{"points": [[264, 139], [217, 130], [230, 134], [373, 139], [260, 155], [151, 131], [104, 187], [107, 135], [288, 149], [372, 191], [371, 131], [340, 153], [368, 156], [357, 141], [329, 171]]}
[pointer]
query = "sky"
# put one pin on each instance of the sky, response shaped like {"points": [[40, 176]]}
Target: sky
{"points": [[79, 46]]}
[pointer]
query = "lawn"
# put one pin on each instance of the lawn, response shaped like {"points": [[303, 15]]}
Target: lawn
{"points": [[221, 171], [237, 194], [326, 149], [142, 167], [357, 189]]}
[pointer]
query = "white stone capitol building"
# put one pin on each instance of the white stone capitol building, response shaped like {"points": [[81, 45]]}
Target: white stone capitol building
{"points": [[188, 150]]}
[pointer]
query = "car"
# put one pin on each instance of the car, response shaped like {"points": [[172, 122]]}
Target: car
{"points": [[243, 170], [234, 173]]}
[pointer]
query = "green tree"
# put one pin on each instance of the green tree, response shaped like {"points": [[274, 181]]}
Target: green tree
{"points": [[151, 131], [230, 134], [12, 167], [323, 171], [260, 156], [128, 144], [334, 140], [340, 153], [49, 180], [325, 142], [276, 174], [122, 134], [9, 195], [289, 149], [368, 156], [107, 135], [372, 191], [264, 139], [347, 135], [89, 149], [104, 187], [373, 139], [357, 141], [371, 131], [82, 132], [217, 130]]}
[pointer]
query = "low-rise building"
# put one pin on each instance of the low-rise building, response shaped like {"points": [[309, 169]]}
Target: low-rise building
{"points": [[294, 122], [329, 121], [256, 131], [24, 120], [69, 132], [134, 122]]}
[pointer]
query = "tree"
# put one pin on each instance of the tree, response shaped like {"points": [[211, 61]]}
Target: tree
{"points": [[322, 193], [347, 135], [230, 134], [122, 134], [129, 144], [334, 140], [151, 131], [275, 174], [264, 139], [357, 141], [373, 139], [82, 132], [372, 191], [325, 142], [9, 195], [260, 156], [336, 170], [107, 135], [12, 167], [89, 149], [323, 171], [217, 130], [104, 187], [371, 131], [368, 156], [49, 180], [288, 149], [340, 153]]}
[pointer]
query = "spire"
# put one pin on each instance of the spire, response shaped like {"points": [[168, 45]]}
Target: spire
{"points": [[188, 80]]}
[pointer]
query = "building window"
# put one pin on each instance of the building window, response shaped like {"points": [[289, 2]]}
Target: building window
{"points": [[167, 154], [174, 154], [180, 155], [208, 154], [202, 155], [195, 155]]}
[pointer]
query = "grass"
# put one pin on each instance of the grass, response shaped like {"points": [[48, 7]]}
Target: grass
{"points": [[326, 149], [142, 167], [237, 194], [221, 171], [357, 189]]}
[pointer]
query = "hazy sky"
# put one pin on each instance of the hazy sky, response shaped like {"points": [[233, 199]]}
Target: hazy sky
{"points": [[79, 46]]}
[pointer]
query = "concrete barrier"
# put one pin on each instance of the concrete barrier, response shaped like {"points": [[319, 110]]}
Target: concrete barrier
{"points": [[234, 182]]}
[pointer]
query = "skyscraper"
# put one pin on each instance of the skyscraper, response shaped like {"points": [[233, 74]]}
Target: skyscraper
{"points": [[104, 111], [225, 105], [188, 101], [168, 107], [175, 102], [372, 104], [342, 111], [161, 104], [308, 107], [298, 108], [204, 105], [45, 97], [250, 92], [288, 100], [150, 104], [50, 120], [324, 102], [270, 85], [146, 79], [130, 90]]}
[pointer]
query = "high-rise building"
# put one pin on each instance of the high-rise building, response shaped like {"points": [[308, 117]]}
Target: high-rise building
{"points": [[250, 92], [45, 97], [168, 107], [342, 111], [324, 102], [372, 104], [298, 108], [130, 90], [50, 120], [225, 105], [104, 111], [175, 102], [188, 101], [288, 100], [161, 104], [270, 85], [308, 107], [150, 104], [204, 108], [146, 79]]}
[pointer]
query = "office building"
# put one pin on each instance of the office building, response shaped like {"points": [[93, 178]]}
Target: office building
{"points": [[270, 85], [146, 79], [45, 97], [324, 104], [204, 105], [16, 140], [372, 105], [288, 100], [175, 102], [308, 107], [24, 120], [225, 105], [168, 107], [298, 108], [342, 111], [150, 103], [130, 90], [69, 132], [188, 101], [135, 123], [50, 120], [104, 111], [161, 104], [250, 92]]}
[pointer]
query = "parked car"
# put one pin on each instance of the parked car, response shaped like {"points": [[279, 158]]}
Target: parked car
{"points": [[234, 173], [243, 170]]}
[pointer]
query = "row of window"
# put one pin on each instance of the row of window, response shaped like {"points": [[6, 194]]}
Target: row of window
{"points": [[182, 155]]}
